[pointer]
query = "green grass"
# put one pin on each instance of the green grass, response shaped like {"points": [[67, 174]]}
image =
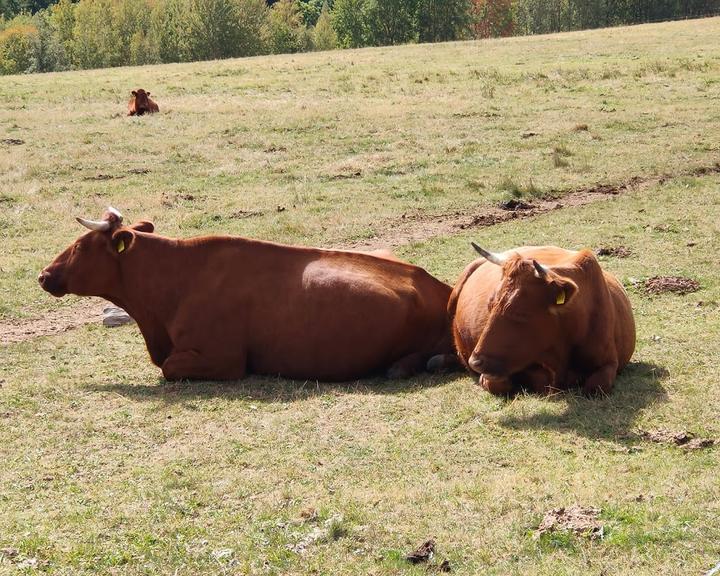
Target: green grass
{"points": [[107, 469]]}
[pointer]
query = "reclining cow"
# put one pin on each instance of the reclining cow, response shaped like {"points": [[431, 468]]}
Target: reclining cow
{"points": [[140, 103], [541, 318], [219, 307]]}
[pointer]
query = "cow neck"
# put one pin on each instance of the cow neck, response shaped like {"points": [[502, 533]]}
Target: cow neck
{"points": [[150, 278]]}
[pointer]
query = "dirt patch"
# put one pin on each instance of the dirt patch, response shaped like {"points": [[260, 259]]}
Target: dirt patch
{"points": [[423, 553], [12, 141], [55, 322], [104, 177], [684, 439], [515, 204], [674, 284], [614, 251], [423, 226], [242, 214], [138, 171], [576, 519]]}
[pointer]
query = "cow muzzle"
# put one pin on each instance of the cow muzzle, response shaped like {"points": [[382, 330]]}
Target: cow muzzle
{"points": [[51, 283], [483, 364]]}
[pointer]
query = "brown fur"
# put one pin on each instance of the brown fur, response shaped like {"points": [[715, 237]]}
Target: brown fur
{"points": [[140, 103], [219, 307], [508, 327]]}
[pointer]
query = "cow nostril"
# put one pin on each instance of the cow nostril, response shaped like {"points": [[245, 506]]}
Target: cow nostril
{"points": [[476, 362], [42, 277]]}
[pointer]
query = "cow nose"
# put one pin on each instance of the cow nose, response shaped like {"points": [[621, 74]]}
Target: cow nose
{"points": [[43, 277], [477, 361], [483, 364]]}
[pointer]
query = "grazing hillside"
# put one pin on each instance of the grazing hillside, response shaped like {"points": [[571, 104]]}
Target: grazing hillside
{"points": [[604, 139]]}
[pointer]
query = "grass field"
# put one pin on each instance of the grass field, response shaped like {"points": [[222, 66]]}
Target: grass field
{"points": [[108, 469]]}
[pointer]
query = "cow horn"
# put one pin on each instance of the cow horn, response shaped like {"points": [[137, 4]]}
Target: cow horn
{"points": [[100, 226], [540, 269], [489, 256], [116, 213]]}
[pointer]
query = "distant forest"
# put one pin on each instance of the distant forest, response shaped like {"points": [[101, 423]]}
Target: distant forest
{"points": [[42, 36]]}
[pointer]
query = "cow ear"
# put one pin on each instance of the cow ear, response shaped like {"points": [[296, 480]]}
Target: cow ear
{"points": [[563, 290], [144, 226], [134, 93], [123, 240]]}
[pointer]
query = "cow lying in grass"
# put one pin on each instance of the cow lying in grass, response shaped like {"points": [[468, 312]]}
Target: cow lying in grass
{"points": [[140, 103], [541, 318], [220, 307]]}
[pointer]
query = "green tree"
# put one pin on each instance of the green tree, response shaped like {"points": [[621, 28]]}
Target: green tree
{"points": [[310, 10], [392, 21], [17, 48], [131, 20], [49, 53], [96, 41], [443, 20], [324, 36], [62, 22], [170, 30], [253, 16], [212, 28], [350, 21], [285, 31]]}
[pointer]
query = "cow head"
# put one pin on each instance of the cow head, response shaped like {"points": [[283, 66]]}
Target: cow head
{"points": [[90, 266], [523, 315], [142, 104]]}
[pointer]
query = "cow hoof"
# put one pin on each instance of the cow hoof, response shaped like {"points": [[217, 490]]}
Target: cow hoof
{"points": [[442, 363], [397, 372]]}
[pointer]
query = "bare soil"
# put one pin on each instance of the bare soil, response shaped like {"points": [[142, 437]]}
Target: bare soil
{"points": [[685, 440], [675, 284], [60, 320], [614, 251], [576, 519]]}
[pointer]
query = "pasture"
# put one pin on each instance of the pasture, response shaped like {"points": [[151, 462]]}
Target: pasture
{"points": [[108, 469]]}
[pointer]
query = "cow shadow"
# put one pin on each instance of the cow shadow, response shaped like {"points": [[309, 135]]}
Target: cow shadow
{"points": [[610, 417], [270, 389]]}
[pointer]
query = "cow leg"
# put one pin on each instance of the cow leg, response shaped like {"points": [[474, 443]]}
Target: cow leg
{"points": [[443, 363], [407, 366], [496, 386], [189, 364], [601, 381], [539, 379]]}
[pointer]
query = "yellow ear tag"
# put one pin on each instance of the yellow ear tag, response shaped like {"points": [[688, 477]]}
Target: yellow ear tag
{"points": [[560, 298], [121, 246]]}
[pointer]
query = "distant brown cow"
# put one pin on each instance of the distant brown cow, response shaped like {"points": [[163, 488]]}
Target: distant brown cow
{"points": [[140, 103], [220, 307], [541, 318]]}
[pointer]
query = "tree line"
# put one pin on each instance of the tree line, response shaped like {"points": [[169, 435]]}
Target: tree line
{"points": [[41, 36]]}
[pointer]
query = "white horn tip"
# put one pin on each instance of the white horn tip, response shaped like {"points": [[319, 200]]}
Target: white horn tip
{"points": [[116, 212]]}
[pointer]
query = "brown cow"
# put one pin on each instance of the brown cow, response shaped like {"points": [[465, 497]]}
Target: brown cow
{"points": [[220, 307], [541, 318], [140, 103]]}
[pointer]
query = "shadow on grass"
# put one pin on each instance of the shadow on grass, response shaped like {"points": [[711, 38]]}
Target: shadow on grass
{"points": [[271, 389], [611, 417]]}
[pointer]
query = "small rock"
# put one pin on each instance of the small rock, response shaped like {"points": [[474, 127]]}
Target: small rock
{"points": [[114, 316]]}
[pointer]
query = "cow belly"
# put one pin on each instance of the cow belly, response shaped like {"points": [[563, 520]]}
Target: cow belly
{"points": [[340, 325]]}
